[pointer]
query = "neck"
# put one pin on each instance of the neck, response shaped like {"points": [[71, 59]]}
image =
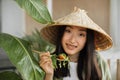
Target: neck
{"points": [[73, 58]]}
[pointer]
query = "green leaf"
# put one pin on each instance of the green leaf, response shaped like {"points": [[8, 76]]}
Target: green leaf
{"points": [[38, 43], [9, 75], [20, 54], [54, 60], [36, 9]]}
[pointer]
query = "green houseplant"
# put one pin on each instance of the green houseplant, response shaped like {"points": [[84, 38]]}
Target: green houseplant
{"points": [[19, 51]]}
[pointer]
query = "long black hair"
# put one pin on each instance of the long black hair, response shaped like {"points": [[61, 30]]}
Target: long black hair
{"points": [[85, 65]]}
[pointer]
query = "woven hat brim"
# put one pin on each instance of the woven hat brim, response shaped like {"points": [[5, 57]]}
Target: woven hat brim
{"points": [[102, 40]]}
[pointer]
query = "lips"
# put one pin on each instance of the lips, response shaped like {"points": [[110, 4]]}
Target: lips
{"points": [[70, 46]]}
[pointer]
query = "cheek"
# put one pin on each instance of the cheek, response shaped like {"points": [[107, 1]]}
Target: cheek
{"points": [[82, 42], [64, 38]]}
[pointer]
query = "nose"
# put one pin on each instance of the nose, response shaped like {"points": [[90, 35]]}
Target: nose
{"points": [[72, 39]]}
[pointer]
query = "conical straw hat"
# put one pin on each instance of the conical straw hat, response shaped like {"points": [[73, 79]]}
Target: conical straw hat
{"points": [[78, 18]]}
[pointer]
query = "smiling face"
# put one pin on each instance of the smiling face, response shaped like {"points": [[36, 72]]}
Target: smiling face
{"points": [[73, 40]]}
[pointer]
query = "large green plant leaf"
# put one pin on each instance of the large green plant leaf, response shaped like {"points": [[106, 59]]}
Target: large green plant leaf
{"points": [[9, 75], [20, 54], [38, 43], [36, 9]]}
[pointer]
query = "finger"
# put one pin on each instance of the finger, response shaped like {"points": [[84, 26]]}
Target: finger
{"points": [[42, 64], [45, 54], [45, 62], [45, 59]]}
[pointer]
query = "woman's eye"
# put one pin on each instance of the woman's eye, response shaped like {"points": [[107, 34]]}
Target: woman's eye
{"points": [[83, 35], [68, 31]]}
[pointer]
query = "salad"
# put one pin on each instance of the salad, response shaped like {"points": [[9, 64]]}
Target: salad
{"points": [[61, 58]]}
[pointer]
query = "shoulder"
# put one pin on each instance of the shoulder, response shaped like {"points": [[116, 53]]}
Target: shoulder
{"points": [[100, 58], [102, 62]]}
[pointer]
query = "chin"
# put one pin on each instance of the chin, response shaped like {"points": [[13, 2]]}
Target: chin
{"points": [[70, 52]]}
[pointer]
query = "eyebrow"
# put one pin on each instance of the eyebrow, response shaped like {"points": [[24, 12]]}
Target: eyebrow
{"points": [[82, 29]]}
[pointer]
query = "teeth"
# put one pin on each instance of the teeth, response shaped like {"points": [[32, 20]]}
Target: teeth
{"points": [[71, 46]]}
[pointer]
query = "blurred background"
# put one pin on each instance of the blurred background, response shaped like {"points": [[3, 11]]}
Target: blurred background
{"points": [[106, 13]]}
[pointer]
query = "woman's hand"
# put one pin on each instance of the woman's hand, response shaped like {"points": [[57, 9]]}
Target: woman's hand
{"points": [[46, 65]]}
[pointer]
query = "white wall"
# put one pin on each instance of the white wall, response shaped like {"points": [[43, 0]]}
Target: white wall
{"points": [[13, 21]]}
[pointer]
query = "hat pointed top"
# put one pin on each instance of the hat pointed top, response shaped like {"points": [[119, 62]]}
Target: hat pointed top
{"points": [[78, 10]]}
